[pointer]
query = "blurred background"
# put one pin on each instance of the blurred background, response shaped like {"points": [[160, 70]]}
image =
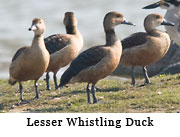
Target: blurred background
{"points": [[16, 17]]}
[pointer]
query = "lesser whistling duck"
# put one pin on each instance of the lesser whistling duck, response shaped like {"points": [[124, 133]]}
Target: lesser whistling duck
{"points": [[63, 48], [145, 48], [172, 14], [99, 61], [29, 63]]}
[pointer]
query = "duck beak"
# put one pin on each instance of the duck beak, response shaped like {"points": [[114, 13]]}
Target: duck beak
{"points": [[166, 23], [127, 23], [32, 28], [155, 5]]}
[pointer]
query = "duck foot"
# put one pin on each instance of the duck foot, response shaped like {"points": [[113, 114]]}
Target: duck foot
{"points": [[21, 102], [97, 89], [145, 84], [36, 97]]}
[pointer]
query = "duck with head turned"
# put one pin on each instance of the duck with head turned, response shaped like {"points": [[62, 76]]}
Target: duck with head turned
{"points": [[99, 61], [63, 48], [172, 8], [29, 63], [145, 48]]}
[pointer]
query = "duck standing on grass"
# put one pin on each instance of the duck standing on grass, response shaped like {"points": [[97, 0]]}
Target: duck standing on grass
{"points": [[145, 48], [97, 62], [63, 48], [29, 63]]}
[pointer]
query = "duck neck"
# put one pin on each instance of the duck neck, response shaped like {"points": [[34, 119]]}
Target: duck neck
{"points": [[111, 37], [71, 30], [149, 31], [153, 32], [149, 27], [38, 40]]}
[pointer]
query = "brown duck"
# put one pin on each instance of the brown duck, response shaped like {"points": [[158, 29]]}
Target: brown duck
{"points": [[99, 61], [145, 48], [29, 63], [63, 48]]}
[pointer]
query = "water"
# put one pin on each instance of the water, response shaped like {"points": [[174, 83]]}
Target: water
{"points": [[16, 17]]}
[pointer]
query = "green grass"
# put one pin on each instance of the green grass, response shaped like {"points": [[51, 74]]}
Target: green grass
{"points": [[162, 95]]}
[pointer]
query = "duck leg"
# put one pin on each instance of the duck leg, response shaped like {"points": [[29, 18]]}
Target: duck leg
{"points": [[21, 94], [93, 89], [55, 81], [133, 76], [47, 81], [20, 91], [36, 89], [88, 94], [147, 81]]}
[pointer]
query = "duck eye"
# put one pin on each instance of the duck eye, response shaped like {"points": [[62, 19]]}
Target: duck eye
{"points": [[157, 17]]}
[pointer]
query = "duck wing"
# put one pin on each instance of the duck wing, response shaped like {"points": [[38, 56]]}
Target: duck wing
{"points": [[134, 40], [86, 59], [56, 42], [18, 53]]}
